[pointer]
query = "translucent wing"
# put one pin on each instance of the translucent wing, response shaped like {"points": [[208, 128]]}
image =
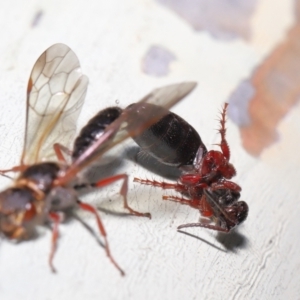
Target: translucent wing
{"points": [[55, 94], [133, 121]]}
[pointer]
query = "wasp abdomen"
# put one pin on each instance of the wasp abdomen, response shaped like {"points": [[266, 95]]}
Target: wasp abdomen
{"points": [[94, 129]]}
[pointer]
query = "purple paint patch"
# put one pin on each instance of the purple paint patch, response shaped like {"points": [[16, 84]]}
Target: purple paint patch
{"points": [[239, 103], [224, 19], [157, 60], [37, 18]]}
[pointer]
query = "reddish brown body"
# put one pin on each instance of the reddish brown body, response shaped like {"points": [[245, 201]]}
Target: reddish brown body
{"points": [[207, 183]]}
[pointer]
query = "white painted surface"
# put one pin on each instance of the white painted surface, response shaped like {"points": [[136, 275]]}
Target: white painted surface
{"points": [[261, 260]]}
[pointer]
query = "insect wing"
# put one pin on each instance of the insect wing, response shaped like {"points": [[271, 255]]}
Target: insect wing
{"points": [[169, 95], [55, 94], [132, 122]]}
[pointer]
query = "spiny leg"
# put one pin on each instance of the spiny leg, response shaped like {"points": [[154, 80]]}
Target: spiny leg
{"points": [[91, 209], [181, 200], [164, 185], [224, 144], [197, 203]]}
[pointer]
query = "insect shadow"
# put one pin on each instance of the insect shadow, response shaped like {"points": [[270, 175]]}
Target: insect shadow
{"points": [[234, 240], [90, 230], [136, 155], [231, 242]]}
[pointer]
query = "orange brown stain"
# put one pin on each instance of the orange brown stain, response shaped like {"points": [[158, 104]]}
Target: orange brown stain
{"points": [[277, 89]]}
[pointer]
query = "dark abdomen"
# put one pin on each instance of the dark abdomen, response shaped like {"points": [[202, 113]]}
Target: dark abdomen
{"points": [[94, 129], [171, 141]]}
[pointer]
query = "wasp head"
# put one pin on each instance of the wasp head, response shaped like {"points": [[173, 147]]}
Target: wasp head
{"points": [[16, 213]]}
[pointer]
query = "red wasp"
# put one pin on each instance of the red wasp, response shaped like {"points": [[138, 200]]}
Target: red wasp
{"points": [[47, 184], [205, 174]]}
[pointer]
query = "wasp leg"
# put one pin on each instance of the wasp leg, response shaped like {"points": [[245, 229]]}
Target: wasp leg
{"points": [[123, 191], [14, 169], [56, 218], [59, 150], [91, 209]]}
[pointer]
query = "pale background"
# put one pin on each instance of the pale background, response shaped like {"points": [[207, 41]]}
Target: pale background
{"points": [[260, 260]]}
